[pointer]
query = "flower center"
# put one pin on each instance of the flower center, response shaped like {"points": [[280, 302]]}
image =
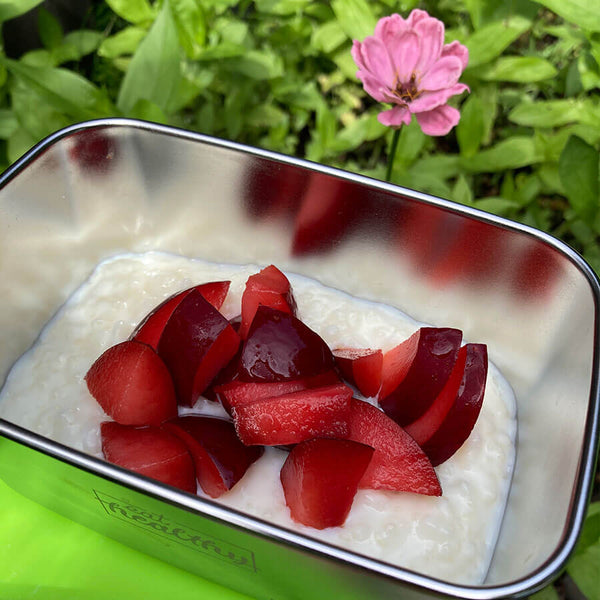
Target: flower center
{"points": [[407, 92]]}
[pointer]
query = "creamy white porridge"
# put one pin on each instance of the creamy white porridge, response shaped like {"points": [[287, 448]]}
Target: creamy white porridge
{"points": [[451, 537]]}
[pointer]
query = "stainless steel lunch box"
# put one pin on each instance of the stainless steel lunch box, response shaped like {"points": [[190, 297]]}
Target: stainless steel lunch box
{"points": [[105, 187]]}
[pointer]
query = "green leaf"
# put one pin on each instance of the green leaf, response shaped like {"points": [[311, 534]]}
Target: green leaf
{"points": [[64, 90], [76, 45], [148, 111], [328, 37], [440, 166], [547, 593], [123, 43], [554, 113], [583, 568], [281, 7], [154, 72], [8, 123], [50, 30], [589, 72], [585, 13], [19, 143], [134, 11], [410, 143], [470, 130], [257, 64], [497, 205], [518, 69], [579, 170], [9, 9], [355, 17], [590, 533], [363, 129], [191, 25], [490, 41], [512, 153], [461, 192]]}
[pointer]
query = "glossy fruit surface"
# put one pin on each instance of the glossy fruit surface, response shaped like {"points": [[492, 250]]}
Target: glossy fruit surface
{"points": [[197, 342], [149, 451], [398, 463], [220, 458], [361, 368], [236, 393], [151, 327], [461, 418], [132, 385], [422, 364], [269, 287], [320, 479], [279, 346], [295, 417]]}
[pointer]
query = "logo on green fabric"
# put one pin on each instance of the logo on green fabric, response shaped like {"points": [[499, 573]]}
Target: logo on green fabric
{"points": [[158, 524]]}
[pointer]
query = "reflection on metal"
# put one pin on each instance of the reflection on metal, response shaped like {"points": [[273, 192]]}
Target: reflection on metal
{"points": [[101, 188]]}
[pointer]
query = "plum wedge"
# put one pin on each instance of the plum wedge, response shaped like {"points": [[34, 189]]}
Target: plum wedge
{"points": [[398, 463], [295, 417], [220, 458], [269, 287], [196, 343], [414, 372], [132, 385], [236, 393], [279, 346], [151, 327], [320, 479], [461, 417], [149, 451], [361, 368]]}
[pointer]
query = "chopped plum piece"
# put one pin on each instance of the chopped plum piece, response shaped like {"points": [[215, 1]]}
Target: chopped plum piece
{"points": [[295, 417], [461, 418], [149, 451], [151, 327], [236, 393], [132, 385], [279, 347], [197, 342], [269, 287], [415, 372], [398, 463], [320, 479], [221, 459], [361, 368]]}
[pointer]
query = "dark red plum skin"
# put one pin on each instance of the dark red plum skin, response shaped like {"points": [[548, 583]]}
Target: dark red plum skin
{"points": [[280, 347], [219, 440], [436, 354], [461, 418], [189, 339]]}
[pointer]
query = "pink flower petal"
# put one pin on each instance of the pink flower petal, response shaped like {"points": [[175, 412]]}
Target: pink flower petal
{"points": [[457, 49], [377, 61], [431, 34], [404, 50], [444, 73], [373, 87], [389, 26], [438, 121], [395, 117], [430, 100], [416, 16]]}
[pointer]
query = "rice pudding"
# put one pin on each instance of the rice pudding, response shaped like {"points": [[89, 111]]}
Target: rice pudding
{"points": [[451, 537]]}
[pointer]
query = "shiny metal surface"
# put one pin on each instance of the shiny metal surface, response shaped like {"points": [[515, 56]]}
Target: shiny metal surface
{"points": [[530, 298]]}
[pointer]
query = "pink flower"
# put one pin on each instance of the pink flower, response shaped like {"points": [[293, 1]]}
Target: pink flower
{"points": [[407, 64]]}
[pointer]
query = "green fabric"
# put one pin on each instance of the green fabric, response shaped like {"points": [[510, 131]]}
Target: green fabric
{"points": [[44, 556]]}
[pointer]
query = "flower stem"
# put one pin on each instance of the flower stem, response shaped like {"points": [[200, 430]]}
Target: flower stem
{"points": [[392, 155]]}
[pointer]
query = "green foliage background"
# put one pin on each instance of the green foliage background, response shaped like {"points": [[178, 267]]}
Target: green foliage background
{"points": [[278, 74]]}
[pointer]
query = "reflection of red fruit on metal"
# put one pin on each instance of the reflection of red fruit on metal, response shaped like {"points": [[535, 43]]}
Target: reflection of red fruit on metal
{"points": [[326, 212], [474, 254], [424, 234], [274, 190], [536, 271], [93, 150]]}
